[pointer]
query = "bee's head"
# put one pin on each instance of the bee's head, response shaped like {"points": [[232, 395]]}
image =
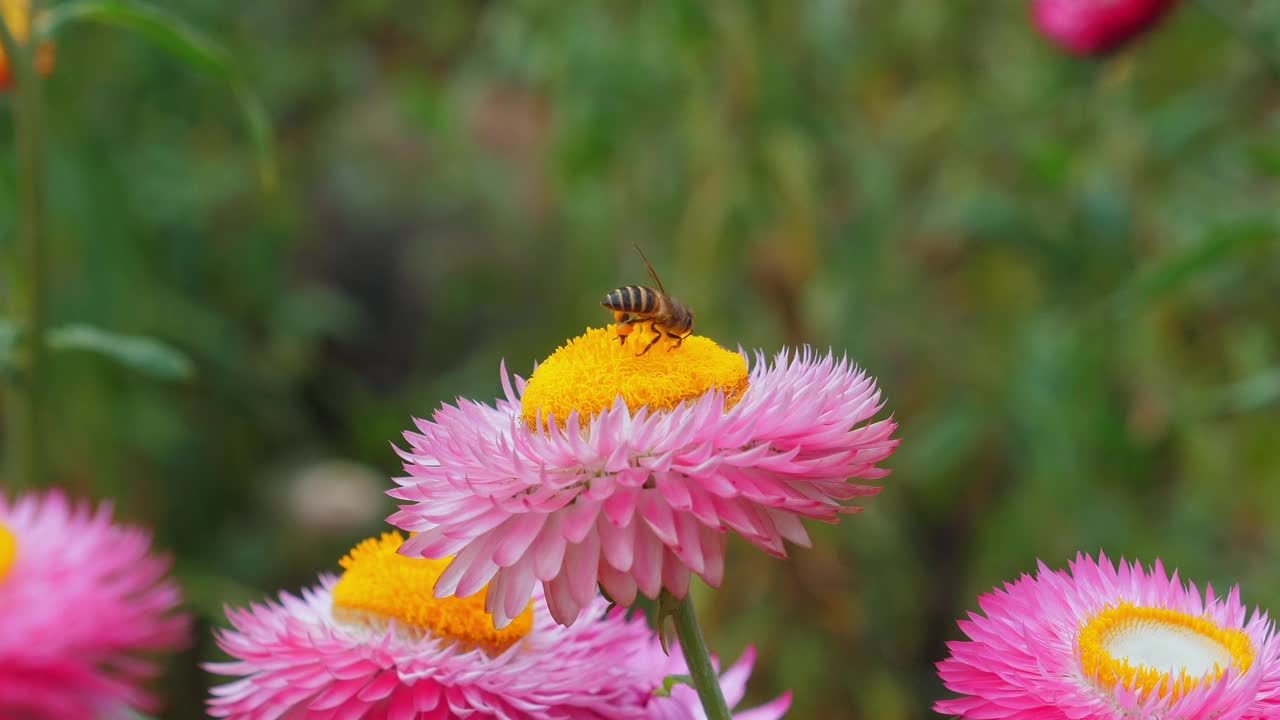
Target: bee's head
{"points": [[688, 319]]}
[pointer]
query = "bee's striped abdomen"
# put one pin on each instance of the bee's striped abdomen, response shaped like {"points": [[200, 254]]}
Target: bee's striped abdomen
{"points": [[631, 299]]}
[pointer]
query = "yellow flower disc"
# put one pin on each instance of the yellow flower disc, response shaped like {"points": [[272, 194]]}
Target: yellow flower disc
{"points": [[1148, 648], [589, 372], [8, 550], [379, 585]]}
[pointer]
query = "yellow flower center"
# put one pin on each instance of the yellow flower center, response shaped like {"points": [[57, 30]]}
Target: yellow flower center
{"points": [[589, 372], [1148, 648], [379, 585], [8, 550]]}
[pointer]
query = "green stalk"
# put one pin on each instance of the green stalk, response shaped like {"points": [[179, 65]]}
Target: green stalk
{"points": [[696, 656], [23, 430]]}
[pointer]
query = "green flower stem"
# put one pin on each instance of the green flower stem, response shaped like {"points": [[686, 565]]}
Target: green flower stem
{"points": [[23, 429], [705, 679]]}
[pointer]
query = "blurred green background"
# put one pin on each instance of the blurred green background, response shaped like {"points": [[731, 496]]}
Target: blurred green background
{"points": [[1063, 272]]}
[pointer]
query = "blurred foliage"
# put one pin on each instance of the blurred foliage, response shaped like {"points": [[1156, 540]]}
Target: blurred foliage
{"points": [[1063, 273]]}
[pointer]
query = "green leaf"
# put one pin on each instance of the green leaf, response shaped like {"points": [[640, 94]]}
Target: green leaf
{"points": [[671, 681], [1168, 275], [154, 23], [186, 43], [667, 606], [1253, 393], [144, 354], [260, 132]]}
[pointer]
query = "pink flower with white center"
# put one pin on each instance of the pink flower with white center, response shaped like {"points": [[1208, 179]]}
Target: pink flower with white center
{"points": [[628, 470], [83, 601], [375, 645], [1096, 27], [1112, 643]]}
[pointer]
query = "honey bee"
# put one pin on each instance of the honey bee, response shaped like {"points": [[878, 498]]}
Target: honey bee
{"points": [[634, 304]]}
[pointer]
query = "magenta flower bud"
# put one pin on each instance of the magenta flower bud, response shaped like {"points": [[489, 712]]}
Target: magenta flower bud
{"points": [[1096, 27]]}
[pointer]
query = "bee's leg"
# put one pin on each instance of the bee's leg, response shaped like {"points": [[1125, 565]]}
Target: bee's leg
{"points": [[657, 335], [678, 338]]}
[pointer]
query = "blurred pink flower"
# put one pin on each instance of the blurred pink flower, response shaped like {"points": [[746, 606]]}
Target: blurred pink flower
{"points": [[635, 498], [1109, 643], [344, 649], [82, 600], [1095, 27]]}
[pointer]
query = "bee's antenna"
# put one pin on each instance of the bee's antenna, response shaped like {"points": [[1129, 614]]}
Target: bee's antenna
{"points": [[649, 265]]}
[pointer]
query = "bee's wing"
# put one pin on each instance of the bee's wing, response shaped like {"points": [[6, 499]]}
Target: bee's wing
{"points": [[652, 273]]}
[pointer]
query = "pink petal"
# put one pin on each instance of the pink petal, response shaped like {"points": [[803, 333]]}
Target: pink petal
{"points": [[647, 567], [620, 586], [581, 563], [518, 534]]}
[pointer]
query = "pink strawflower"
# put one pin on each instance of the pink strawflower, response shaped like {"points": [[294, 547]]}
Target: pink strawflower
{"points": [[657, 458], [1112, 643], [1096, 27], [84, 602], [344, 649]]}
